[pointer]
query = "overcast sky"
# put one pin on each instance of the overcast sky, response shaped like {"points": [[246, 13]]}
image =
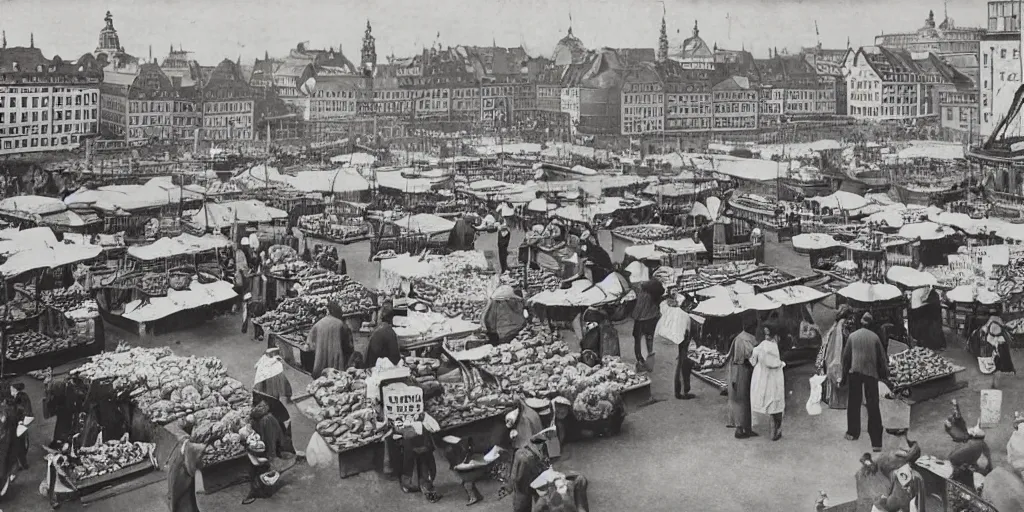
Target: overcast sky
{"points": [[217, 29]]}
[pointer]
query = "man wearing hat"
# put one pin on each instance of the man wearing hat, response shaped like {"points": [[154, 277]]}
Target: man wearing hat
{"points": [[504, 237], [560, 492], [865, 363], [270, 377]]}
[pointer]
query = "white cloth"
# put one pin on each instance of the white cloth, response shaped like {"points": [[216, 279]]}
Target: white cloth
{"points": [[268, 367], [254, 242], [767, 384]]}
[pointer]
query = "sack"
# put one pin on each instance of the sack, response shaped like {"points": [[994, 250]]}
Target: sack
{"points": [[318, 453], [895, 412], [674, 326], [814, 400], [1015, 450], [987, 365]]}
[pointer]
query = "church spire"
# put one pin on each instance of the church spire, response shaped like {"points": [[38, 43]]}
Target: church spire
{"points": [[663, 38], [31, 40], [4, 42], [696, 31], [369, 51]]}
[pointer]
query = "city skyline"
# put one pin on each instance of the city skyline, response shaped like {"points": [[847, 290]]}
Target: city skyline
{"points": [[274, 26]]}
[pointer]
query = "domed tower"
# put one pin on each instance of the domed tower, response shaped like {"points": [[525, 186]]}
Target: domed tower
{"points": [[109, 42], [569, 50]]}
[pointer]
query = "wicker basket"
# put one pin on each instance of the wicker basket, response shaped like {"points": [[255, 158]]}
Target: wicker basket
{"points": [[180, 281]]}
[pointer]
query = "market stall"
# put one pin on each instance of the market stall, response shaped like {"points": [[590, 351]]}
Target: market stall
{"points": [[179, 397], [340, 223], [47, 318], [680, 254], [287, 326], [409, 234], [171, 282]]}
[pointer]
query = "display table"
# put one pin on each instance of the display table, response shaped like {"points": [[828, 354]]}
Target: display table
{"points": [[955, 496], [932, 388]]}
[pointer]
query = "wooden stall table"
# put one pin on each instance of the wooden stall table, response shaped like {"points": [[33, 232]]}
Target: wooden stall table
{"points": [[292, 346], [953, 496]]}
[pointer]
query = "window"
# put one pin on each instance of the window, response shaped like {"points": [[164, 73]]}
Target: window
{"points": [[1002, 53], [949, 114]]}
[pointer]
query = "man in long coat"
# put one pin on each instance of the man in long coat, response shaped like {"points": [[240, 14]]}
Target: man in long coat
{"points": [[331, 340], [740, 371]]}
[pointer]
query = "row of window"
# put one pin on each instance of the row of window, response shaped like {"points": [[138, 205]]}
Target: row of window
{"points": [[227, 107], [743, 122], [734, 108], [77, 100], [37, 142], [45, 129], [162, 120], [644, 111], [44, 116], [643, 98], [145, 107], [965, 114]]}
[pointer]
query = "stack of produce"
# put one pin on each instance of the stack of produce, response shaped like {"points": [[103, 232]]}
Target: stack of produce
{"points": [[65, 299], [766, 278], [174, 386], [918, 364], [461, 404], [538, 363], [284, 261], [536, 280], [462, 293], [31, 343], [218, 428], [304, 310], [1016, 326], [106, 458], [17, 311], [707, 358], [422, 366], [346, 419], [153, 284], [649, 233], [197, 391], [597, 403]]}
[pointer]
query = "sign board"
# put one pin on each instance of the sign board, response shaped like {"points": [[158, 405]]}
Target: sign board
{"points": [[402, 401], [991, 406]]}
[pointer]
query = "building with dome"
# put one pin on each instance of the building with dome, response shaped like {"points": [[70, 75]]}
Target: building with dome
{"points": [[569, 50], [109, 49], [694, 53]]}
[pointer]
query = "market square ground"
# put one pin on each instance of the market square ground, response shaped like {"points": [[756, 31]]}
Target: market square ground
{"points": [[672, 455]]}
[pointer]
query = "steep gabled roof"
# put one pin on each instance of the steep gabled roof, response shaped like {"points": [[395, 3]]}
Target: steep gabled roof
{"points": [[27, 59]]}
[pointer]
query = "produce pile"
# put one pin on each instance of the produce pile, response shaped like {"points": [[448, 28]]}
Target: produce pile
{"points": [[538, 363], [707, 358], [31, 343], [422, 366], [597, 403], [174, 386], [461, 404], [106, 458], [65, 299], [918, 364], [710, 275], [18, 311], [319, 288], [284, 261], [153, 284], [536, 280], [766, 277], [195, 390], [1016, 326], [346, 419], [217, 427], [649, 233], [461, 293]]}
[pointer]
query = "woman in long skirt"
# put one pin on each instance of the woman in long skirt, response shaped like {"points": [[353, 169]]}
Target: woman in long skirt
{"points": [[768, 384]]}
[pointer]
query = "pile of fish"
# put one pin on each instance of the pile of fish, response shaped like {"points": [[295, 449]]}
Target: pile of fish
{"points": [[345, 419]]}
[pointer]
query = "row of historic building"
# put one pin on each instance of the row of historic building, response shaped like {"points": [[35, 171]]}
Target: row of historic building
{"points": [[965, 77]]}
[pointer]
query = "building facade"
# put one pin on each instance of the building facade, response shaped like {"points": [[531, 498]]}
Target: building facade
{"points": [[734, 105], [46, 104], [142, 103], [1001, 66], [892, 84], [227, 104], [643, 102]]}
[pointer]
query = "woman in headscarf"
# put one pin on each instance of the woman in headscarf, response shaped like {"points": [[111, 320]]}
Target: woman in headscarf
{"points": [[181, 476], [740, 373], [830, 359], [768, 384], [275, 443], [331, 340], [270, 378], [598, 259], [992, 348]]}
